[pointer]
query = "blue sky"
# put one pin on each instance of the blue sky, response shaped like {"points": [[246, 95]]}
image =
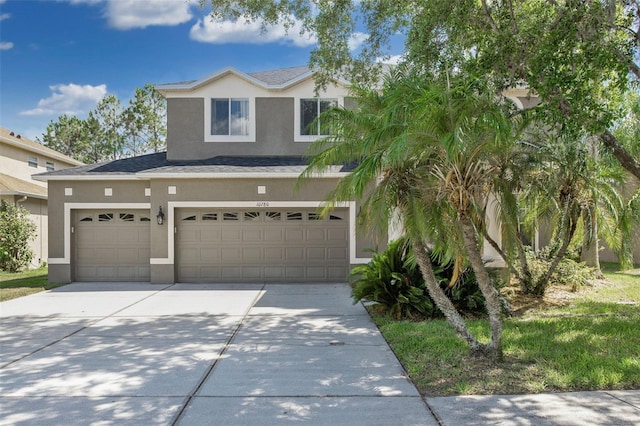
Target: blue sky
{"points": [[63, 56]]}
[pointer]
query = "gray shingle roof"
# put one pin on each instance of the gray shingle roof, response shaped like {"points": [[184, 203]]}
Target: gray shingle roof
{"points": [[280, 76], [158, 164]]}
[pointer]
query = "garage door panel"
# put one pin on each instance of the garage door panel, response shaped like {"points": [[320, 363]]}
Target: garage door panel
{"points": [[274, 272], [316, 253], [294, 253], [336, 234], [230, 254], [294, 245], [316, 272], [252, 272], [231, 273], [208, 254], [273, 235], [252, 235], [336, 272], [317, 234], [207, 234], [251, 254], [233, 235], [294, 272], [336, 253], [296, 234], [274, 254], [188, 235]]}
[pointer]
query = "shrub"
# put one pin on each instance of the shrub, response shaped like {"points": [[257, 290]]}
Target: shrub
{"points": [[569, 273], [16, 230], [393, 280]]}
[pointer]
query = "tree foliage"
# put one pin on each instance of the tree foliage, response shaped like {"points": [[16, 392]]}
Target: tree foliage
{"points": [[425, 150], [112, 131], [576, 55], [16, 230]]}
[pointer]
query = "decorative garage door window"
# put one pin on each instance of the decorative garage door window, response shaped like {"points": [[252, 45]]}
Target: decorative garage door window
{"points": [[259, 216], [113, 217]]}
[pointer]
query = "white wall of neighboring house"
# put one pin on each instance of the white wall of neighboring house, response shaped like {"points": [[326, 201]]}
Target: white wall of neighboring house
{"points": [[20, 158]]}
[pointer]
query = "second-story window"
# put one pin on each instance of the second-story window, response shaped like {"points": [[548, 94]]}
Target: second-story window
{"points": [[50, 166], [310, 109], [33, 161], [229, 117]]}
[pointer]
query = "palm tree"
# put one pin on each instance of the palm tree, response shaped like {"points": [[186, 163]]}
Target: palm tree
{"points": [[422, 150]]}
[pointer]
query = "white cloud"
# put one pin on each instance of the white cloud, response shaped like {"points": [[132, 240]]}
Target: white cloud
{"points": [[393, 60], [356, 40], [129, 14], [242, 31], [69, 99], [6, 45], [4, 16]]}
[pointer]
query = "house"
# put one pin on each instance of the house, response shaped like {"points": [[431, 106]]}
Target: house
{"points": [[19, 159], [221, 204]]}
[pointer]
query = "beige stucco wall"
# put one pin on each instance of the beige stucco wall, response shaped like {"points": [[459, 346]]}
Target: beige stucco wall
{"points": [[186, 190]]}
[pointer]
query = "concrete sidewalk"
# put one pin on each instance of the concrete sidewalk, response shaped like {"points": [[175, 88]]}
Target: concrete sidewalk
{"points": [[234, 355]]}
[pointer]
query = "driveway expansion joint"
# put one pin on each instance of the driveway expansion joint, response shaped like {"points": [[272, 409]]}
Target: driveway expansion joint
{"points": [[213, 365]]}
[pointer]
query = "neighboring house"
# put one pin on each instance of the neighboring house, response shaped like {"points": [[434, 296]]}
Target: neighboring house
{"points": [[19, 159], [221, 205]]}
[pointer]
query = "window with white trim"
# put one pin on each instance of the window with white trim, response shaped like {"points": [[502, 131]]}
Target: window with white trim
{"points": [[310, 109], [50, 166], [230, 117], [33, 161]]}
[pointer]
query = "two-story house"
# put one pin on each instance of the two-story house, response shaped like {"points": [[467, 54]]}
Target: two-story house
{"points": [[221, 205], [20, 158]]}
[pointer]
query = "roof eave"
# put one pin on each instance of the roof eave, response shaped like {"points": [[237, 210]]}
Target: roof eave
{"points": [[40, 150], [25, 194]]}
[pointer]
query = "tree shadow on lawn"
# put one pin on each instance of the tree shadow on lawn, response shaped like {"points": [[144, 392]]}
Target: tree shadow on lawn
{"points": [[541, 354]]}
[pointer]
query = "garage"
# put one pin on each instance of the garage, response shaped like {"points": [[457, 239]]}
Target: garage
{"points": [[261, 245], [112, 245]]}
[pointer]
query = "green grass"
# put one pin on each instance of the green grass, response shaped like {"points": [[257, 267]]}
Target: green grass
{"points": [[593, 343], [13, 285]]}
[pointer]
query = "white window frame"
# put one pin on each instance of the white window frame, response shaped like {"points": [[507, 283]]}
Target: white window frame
{"points": [[208, 137], [50, 166], [299, 137], [32, 161]]}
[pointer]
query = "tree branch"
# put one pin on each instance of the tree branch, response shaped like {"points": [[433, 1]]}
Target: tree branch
{"points": [[487, 13], [622, 155]]}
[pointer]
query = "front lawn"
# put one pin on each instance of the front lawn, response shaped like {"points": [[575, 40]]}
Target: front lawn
{"points": [[570, 341], [13, 285]]}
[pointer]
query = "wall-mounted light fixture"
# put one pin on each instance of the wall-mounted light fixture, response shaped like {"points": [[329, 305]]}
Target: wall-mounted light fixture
{"points": [[160, 216]]}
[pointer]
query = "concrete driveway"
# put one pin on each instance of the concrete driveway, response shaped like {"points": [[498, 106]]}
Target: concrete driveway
{"points": [[199, 354]]}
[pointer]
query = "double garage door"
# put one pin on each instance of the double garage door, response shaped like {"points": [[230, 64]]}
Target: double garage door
{"points": [[216, 245], [279, 245]]}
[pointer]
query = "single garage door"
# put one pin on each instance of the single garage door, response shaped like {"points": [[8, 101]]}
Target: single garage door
{"points": [[112, 245], [279, 245]]}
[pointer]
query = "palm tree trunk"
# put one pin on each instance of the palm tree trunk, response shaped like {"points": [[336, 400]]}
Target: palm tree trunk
{"points": [[491, 297], [590, 254], [569, 223], [440, 298]]}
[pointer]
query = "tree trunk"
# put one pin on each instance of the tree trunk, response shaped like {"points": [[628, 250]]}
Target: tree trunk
{"points": [[622, 155], [568, 229], [440, 298], [491, 297], [590, 254]]}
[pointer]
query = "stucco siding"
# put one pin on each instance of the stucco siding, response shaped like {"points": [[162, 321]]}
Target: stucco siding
{"points": [[274, 130], [185, 129]]}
